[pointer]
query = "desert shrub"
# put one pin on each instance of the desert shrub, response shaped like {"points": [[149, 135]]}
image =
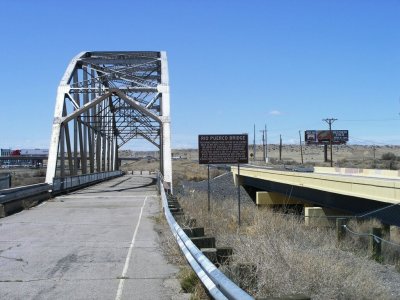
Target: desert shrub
{"points": [[388, 156], [273, 160]]}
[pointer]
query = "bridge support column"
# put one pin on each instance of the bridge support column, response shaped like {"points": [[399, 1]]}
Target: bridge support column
{"points": [[321, 216], [272, 198], [315, 216], [237, 180]]}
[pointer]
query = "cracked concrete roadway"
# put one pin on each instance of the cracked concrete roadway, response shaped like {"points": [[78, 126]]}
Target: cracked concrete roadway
{"points": [[96, 243]]}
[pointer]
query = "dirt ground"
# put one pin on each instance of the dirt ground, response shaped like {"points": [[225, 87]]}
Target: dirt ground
{"points": [[311, 154], [25, 176]]}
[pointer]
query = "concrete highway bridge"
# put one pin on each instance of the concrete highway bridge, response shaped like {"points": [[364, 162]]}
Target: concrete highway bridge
{"points": [[341, 191]]}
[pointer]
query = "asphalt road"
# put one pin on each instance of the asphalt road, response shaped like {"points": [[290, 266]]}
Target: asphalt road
{"points": [[96, 243]]}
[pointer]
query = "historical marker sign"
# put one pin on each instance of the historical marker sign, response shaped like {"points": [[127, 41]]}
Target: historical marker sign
{"points": [[223, 149]]}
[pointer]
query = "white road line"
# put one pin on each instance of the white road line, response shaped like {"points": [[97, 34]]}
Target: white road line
{"points": [[128, 257]]}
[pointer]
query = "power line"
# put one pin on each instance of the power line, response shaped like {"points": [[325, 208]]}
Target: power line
{"points": [[371, 120], [369, 141]]}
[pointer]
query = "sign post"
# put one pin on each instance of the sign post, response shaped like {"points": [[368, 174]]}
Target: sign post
{"points": [[224, 149], [238, 196], [208, 185]]}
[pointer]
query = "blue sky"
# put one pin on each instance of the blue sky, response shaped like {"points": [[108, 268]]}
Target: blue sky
{"points": [[232, 64]]}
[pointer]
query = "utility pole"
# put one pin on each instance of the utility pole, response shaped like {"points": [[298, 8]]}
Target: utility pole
{"points": [[330, 121], [263, 141], [374, 150], [266, 144], [280, 147], [301, 148], [254, 143]]}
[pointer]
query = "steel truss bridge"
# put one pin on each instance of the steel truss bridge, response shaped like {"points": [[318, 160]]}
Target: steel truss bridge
{"points": [[104, 100]]}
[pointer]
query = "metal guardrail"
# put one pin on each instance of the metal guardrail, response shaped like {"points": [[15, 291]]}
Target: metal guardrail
{"points": [[17, 193], [14, 199], [218, 285], [72, 182]]}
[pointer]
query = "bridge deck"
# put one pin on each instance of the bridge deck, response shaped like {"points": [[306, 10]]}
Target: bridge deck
{"points": [[386, 190], [97, 243]]}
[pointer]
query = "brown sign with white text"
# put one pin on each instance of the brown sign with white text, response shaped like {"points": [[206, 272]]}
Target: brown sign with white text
{"points": [[223, 149]]}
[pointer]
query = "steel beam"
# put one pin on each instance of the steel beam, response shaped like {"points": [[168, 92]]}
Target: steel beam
{"points": [[166, 124], [104, 100]]}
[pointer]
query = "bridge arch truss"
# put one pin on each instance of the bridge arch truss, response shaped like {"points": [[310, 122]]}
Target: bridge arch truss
{"points": [[104, 100]]}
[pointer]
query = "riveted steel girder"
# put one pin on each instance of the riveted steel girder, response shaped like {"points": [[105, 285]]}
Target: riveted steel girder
{"points": [[104, 100]]}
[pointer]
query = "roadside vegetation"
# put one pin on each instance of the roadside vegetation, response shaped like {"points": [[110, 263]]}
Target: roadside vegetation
{"points": [[286, 256], [289, 257]]}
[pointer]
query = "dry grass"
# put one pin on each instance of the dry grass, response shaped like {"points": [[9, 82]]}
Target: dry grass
{"points": [[174, 256], [360, 244], [290, 258], [168, 243], [25, 176], [141, 165], [186, 170], [190, 283]]}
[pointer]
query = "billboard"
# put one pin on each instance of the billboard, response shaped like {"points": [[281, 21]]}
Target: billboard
{"points": [[324, 137], [223, 149]]}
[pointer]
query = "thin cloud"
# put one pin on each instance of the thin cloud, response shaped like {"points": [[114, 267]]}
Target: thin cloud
{"points": [[275, 112]]}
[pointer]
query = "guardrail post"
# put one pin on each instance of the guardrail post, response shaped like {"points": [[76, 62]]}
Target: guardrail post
{"points": [[375, 243], [386, 230], [2, 211], [224, 255], [340, 229]]}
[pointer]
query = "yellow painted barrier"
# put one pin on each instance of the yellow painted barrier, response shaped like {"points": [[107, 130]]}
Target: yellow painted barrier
{"points": [[379, 189], [359, 172]]}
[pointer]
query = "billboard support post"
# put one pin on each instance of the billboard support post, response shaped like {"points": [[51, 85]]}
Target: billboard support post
{"points": [[325, 153], [301, 148], [330, 121]]}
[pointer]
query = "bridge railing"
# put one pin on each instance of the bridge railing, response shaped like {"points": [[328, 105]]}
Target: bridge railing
{"points": [[73, 182], [8, 195], [18, 198], [218, 285]]}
